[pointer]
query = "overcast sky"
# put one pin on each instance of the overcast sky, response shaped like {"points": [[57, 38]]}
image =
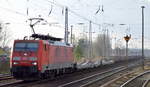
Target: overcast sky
{"points": [[115, 12]]}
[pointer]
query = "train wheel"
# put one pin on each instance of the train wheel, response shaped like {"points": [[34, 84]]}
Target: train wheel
{"points": [[52, 75], [41, 76]]}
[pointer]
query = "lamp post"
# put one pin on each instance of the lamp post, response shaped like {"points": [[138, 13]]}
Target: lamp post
{"points": [[71, 34], [143, 36], [66, 25]]}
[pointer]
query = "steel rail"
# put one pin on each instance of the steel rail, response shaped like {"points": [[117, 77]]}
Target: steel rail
{"points": [[6, 78], [146, 83], [112, 81], [89, 77], [4, 75], [134, 78], [98, 79], [10, 83]]}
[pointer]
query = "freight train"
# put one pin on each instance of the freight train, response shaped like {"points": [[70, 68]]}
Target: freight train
{"points": [[45, 56], [41, 57]]}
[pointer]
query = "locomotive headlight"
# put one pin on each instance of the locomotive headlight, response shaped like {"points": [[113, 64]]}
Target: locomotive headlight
{"points": [[32, 58], [16, 58], [15, 63], [34, 63]]}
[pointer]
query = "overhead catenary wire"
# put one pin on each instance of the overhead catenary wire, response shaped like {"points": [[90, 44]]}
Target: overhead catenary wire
{"points": [[52, 2], [57, 4], [49, 6], [27, 8], [12, 11], [16, 12], [73, 12], [50, 10]]}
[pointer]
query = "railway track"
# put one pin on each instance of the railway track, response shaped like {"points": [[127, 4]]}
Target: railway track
{"points": [[141, 80], [20, 83], [147, 83], [99, 79], [117, 82], [84, 82], [38, 83], [6, 74], [5, 77], [9, 83]]}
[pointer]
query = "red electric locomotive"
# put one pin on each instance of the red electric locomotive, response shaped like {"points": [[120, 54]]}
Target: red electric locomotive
{"points": [[45, 57]]}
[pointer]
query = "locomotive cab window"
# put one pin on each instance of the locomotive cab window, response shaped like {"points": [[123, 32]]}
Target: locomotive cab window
{"points": [[28, 46]]}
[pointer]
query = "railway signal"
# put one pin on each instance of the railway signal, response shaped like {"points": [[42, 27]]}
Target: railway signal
{"points": [[127, 38]]}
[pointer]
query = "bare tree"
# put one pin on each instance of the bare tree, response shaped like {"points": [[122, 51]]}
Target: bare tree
{"points": [[102, 46], [5, 36]]}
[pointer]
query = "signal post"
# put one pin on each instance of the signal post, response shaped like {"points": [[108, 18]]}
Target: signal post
{"points": [[127, 38]]}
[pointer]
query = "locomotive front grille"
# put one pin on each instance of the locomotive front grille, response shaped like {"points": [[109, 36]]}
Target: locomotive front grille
{"points": [[24, 71]]}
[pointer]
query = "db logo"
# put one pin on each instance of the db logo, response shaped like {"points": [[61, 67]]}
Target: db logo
{"points": [[24, 58], [25, 54]]}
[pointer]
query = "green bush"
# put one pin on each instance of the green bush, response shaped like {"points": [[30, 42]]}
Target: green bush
{"points": [[4, 67]]}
